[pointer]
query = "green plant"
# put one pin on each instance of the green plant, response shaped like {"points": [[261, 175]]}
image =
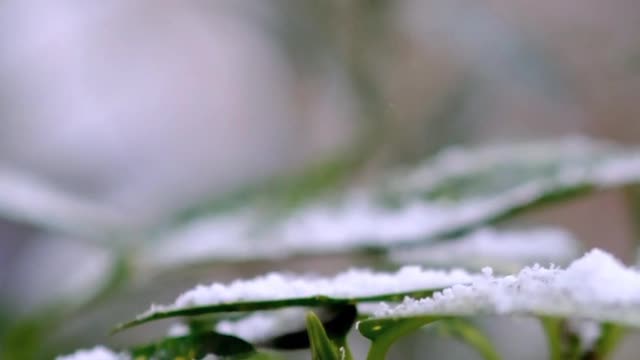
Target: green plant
{"points": [[449, 200]]}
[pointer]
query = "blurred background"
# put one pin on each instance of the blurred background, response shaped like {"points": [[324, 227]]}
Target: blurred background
{"points": [[140, 109]]}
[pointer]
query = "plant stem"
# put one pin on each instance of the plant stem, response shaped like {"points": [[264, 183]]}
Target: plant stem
{"points": [[609, 340], [470, 334], [381, 344], [553, 331]]}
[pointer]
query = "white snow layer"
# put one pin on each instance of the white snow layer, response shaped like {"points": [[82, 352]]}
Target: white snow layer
{"points": [[507, 250], [360, 220], [97, 353], [595, 287], [350, 284]]}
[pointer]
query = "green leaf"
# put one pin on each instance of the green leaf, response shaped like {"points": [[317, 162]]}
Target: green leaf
{"points": [[336, 320], [468, 333], [196, 346], [565, 345], [315, 301], [579, 292], [553, 329], [609, 340], [385, 332], [322, 348]]}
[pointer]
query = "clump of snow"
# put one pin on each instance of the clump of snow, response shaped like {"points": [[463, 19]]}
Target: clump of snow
{"points": [[262, 326], [350, 284], [600, 277], [506, 250], [361, 220], [588, 332], [97, 353], [178, 329], [595, 287]]}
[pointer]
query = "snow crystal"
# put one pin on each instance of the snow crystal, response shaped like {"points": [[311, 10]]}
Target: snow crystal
{"points": [[97, 353], [349, 284], [596, 287], [506, 250]]}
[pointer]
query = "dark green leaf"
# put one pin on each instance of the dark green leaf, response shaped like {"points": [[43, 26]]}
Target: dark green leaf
{"points": [[196, 346], [385, 332], [609, 340], [337, 322], [322, 348], [316, 301]]}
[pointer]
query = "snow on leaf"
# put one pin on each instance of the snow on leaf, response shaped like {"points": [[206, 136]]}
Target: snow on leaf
{"points": [[457, 191], [595, 287], [277, 290], [97, 353], [506, 251]]}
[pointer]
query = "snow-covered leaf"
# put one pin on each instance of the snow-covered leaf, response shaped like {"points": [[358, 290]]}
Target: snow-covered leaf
{"points": [[322, 348], [459, 190], [277, 290], [595, 287]]}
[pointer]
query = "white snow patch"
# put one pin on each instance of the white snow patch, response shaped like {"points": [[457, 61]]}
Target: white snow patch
{"points": [[261, 326], [97, 353], [595, 287], [177, 330], [588, 332], [507, 250], [350, 284]]}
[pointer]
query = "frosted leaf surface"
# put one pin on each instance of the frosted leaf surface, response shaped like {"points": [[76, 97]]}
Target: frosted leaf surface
{"points": [[458, 190], [505, 251], [97, 353], [350, 284], [595, 287]]}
